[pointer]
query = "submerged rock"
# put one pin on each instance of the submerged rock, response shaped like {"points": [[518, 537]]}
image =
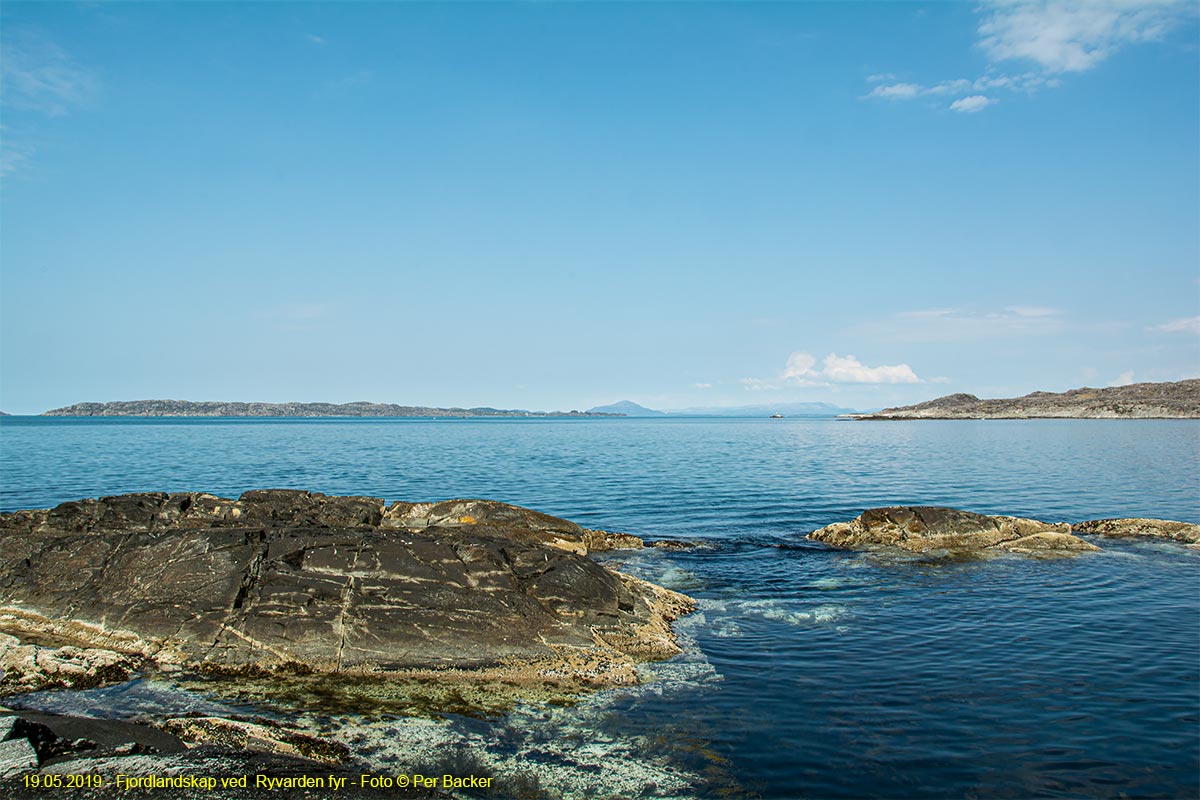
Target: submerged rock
{"points": [[1185, 532], [925, 528], [257, 737], [303, 582]]}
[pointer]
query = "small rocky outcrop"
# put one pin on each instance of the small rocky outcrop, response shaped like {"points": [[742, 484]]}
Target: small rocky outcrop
{"points": [[923, 529], [303, 582], [1184, 532]]}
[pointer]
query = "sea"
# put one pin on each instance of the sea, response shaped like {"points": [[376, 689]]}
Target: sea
{"points": [[807, 672]]}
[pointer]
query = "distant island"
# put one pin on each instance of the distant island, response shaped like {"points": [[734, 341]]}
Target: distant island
{"points": [[186, 408], [1176, 400], [628, 408]]}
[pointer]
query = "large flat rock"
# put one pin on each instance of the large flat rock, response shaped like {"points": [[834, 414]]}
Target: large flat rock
{"points": [[325, 583]]}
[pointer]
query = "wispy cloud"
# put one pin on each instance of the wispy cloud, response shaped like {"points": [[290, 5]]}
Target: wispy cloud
{"points": [[1058, 36], [955, 324], [969, 92], [897, 91], [702, 386], [14, 155], [929, 313], [1034, 311], [1185, 325], [313, 38], [1124, 379], [349, 83], [38, 75], [972, 103], [1073, 35]]}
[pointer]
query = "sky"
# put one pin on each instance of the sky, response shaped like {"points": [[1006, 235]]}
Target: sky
{"points": [[556, 205]]}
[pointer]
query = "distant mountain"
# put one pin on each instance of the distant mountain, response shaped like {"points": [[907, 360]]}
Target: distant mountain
{"points": [[1178, 400], [186, 408], [628, 408], [786, 409]]}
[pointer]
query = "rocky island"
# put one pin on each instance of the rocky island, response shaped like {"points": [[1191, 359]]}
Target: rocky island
{"points": [[1177, 400], [927, 529], [187, 408]]}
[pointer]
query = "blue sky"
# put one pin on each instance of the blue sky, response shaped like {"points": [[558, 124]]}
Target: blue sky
{"points": [[552, 206]]}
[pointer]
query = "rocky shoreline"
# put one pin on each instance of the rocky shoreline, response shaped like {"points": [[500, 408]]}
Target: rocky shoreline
{"points": [[464, 606], [1175, 400], [348, 606]]}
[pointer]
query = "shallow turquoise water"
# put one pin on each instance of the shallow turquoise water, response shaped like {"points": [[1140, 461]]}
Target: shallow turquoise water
{"points": [[813, 672]]}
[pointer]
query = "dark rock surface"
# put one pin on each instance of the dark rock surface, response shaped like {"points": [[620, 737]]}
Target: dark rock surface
{"points": [[925, 528], [295, 580], [1177, 400]]}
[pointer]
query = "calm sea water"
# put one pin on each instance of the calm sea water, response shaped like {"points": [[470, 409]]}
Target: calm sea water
{"points": [[810, 672]]}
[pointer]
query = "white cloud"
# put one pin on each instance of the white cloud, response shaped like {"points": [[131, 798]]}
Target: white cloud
{"points": [[849, 369], [798, 365], [1124, 379], [1057, 35], [1185, 325], [801, 368], [896, 91], [972, 104], [757, 385], [1073, 35], [702, 385], [317, 40], [956, 86], [38, 75]]}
